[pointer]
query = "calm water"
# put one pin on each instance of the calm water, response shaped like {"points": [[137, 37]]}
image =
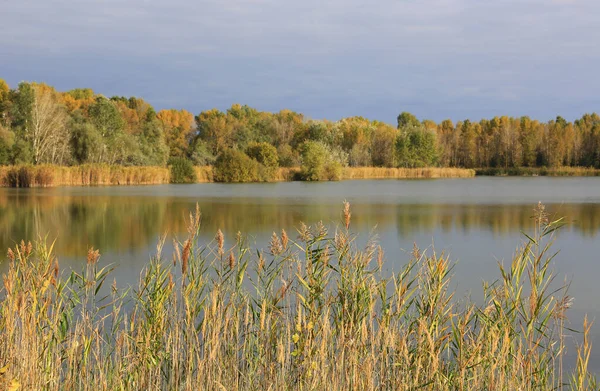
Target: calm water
{"points": [[478, 222]]}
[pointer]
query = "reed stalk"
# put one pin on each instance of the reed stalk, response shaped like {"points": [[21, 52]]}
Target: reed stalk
{"points": [[315, 312]]}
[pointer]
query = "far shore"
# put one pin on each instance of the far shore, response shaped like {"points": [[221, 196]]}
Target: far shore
{"points": [[100, 174]]}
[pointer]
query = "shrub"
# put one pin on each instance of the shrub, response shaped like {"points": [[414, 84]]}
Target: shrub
{"points": [[319, 163], [287, 156], [333, 171], [235, 166], [182, 170], [266, 155], [201, 155]]}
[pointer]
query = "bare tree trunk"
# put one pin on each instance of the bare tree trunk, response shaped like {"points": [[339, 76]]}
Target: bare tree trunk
{"points": [[49, 132]]}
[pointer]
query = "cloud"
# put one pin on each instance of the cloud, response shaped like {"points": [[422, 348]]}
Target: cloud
{"points": [[329, 58]]}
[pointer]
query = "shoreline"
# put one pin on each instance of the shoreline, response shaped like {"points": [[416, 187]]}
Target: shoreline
{"points": [[105, 175], [539, 171]]}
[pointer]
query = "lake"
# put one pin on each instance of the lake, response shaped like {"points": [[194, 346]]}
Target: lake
{"points": [[477, 222]]}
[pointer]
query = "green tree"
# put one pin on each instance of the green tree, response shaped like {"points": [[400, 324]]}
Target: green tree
{"points": [[152, 141], [382, 146], [105, 116], [201, 154], [87, 144], [416, 147], [7, 140], [406, 119], [21, 109]]}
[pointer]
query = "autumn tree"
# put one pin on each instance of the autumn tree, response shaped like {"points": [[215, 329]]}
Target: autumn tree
{"points": [[178, 129], [382, 145]]}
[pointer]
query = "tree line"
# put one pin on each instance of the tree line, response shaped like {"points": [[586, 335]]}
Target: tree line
{"points": [[39, 125]]}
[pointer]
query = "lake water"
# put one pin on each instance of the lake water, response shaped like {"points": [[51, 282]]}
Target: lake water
{"points": [[478, 222]]}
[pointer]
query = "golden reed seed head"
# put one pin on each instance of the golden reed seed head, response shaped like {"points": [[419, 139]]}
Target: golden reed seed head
{"points": [[231, 260], [11, 254], [93, 256], [275, 246], [220, 238], [261, 262], [55, 272], [540, 214], [26, 249], [177, 253], [347, 214], [304, 232], [380, 255], [187, 246], [7, 284], [194, 221], [284, 239]]}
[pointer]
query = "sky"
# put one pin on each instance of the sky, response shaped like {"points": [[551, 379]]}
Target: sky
{"points": [[328, 59]]}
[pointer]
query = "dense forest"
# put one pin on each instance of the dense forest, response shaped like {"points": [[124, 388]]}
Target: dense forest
{"points": [[39, 125]]}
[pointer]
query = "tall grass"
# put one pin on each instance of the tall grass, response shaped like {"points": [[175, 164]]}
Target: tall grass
{"points": [[405, 173], [539, 171], [84, 175], [100, 174], [313, 313]]}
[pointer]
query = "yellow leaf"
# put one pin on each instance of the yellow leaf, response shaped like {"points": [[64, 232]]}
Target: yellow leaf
{"points": [[3, 370]]}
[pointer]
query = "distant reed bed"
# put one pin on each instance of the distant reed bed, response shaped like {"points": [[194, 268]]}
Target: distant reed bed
{"points": [[285, 174], [542, 171], [312, 311], [405, 173], [84, 175]]}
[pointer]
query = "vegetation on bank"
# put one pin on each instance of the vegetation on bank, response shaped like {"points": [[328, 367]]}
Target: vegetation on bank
{"points": [[315, 313], [539, 171], [39, 125], [236, 168], [84, 175]]}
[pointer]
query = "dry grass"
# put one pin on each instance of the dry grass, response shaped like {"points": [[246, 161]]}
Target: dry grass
{"points": [[317, 313], [286, 174], [542, 171], [99, 174], [84, 175], [405, 173]]}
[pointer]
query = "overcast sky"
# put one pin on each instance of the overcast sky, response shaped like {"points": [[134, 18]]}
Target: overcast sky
{"points": [[326, 58]]}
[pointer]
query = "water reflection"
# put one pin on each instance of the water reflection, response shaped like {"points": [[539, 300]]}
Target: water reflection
{"points": [[127, 223], [478, 221]]}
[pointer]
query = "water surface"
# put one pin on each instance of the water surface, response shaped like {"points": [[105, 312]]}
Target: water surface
{"points": [[478, 222]]}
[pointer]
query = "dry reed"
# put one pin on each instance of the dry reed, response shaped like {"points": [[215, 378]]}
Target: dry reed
{"points": [[405, 173], [319, 313], [84, 175]]}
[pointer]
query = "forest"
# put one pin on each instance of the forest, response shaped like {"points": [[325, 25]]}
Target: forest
{"points": [[40, 125]]}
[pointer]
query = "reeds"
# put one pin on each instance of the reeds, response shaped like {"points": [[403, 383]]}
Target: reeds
{"points": [[315, 313], [405, 173], [539, 171], [84, 175]]}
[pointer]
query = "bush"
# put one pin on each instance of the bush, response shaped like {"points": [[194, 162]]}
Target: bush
{"points": [[319, 163], [287, 156], [201, 154], [266, 155], [182, 170], [333, 171], [235, 166]]}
